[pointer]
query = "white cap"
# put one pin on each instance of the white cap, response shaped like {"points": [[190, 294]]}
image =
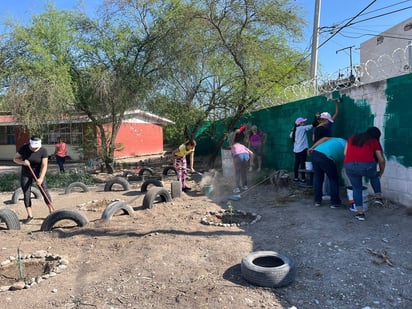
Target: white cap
{"points": [[326, 115]]}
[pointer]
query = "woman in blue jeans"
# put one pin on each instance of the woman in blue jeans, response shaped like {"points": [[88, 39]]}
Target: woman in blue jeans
{"points": [[242, 158], [326, 154], [363, 154]]}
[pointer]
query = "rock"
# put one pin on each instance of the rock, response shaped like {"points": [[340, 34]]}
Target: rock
{"points": [[5, 288], [18, 286], [4, 263]]}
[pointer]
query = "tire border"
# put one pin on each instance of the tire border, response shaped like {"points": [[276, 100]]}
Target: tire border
{"points": [[19, 191], [155, 182], [176, 188], [9, 217], [151, 196], [167, 169], [273, 277], [114, 207], [76, 184], [146, 169], [116, 180], [63, 214]]}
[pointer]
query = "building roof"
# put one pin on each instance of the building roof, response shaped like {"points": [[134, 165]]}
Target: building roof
{"points": [[130, 116]]}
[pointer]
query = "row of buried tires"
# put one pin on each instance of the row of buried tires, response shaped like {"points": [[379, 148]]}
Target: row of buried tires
{"points": [[167, 171], [154, 191], [262, 268]]}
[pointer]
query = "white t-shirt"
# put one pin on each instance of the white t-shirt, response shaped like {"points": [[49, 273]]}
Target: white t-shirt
{"points": [[301, 139]]}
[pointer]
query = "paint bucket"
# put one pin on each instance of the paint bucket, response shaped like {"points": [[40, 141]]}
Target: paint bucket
{"points": [[351, 202], [227, 163], [308, 166]]}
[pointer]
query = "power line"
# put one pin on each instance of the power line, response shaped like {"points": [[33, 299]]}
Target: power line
{"points": [[381, 15], [345, 25], [380, 35], [383, 8]]}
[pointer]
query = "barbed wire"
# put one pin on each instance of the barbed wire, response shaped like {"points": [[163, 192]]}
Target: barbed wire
{"points": [[383, 67]]}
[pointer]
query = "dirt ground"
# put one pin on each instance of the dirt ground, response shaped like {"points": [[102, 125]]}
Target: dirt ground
{"points": [[163, 257]]}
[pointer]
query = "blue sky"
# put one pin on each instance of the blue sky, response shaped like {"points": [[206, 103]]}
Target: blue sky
{"points": [[339, 12], [333, 12]]}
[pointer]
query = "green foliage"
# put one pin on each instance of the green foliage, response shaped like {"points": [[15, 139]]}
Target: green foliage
{"points": [[38, 70], [190, 61], [10, 182], [63, 180]]}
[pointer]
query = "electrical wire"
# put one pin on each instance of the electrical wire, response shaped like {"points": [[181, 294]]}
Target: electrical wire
{"points": [[345, 25], [380, 9]]}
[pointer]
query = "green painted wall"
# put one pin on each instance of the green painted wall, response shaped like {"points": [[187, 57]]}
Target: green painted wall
{"points": [[398, 119], [355, 115]]}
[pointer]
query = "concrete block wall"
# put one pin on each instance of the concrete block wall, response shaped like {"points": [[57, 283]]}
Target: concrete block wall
{"points": [[389, 103]]}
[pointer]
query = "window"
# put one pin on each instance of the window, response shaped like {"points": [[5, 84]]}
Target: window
{"points": [[72, 133], [7, 136]]}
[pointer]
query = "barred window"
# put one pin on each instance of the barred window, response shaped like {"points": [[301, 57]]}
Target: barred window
{"points": [[72, 133], [7, 136]]}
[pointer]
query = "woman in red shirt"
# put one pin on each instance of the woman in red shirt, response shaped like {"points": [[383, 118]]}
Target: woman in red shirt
{"points": [[60, 152], [363, 153]]}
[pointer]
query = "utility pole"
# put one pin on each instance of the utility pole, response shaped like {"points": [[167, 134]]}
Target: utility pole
{"points": [[315, 43], [351, 76]]}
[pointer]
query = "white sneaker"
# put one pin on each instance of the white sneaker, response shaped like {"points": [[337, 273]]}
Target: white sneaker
{"points": [[353, 207], [245, 188], [326, 197], [236, 190]]}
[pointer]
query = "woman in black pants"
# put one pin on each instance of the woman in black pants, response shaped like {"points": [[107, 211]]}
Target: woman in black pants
{"points": [[35, 156]]}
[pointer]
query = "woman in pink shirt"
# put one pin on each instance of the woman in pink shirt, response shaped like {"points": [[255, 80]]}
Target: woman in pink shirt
{"points": [[60, 152], [242, 156]]}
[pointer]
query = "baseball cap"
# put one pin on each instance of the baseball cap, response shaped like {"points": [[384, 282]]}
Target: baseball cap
{"points": [[326, 115], [300, 120]]}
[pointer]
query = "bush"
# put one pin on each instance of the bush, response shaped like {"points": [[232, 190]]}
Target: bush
{"points": [[10, 182]]}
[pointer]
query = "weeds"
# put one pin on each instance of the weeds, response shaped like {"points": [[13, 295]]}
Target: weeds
{"points": [[230, 210], [10, 182]]}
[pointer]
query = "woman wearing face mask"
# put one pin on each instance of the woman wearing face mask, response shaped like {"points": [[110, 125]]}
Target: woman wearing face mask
{"points": [[34, 156]]}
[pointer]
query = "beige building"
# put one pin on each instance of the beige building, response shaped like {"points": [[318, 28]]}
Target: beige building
{"points": [[388, 54]]}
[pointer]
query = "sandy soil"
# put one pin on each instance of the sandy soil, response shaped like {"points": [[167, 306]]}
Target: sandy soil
{"points": [[163, 257]]}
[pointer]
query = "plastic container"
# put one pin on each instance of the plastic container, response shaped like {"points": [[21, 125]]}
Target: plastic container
{"points": [[308, 166], [351, 202], [227, 163], [208, 190]]}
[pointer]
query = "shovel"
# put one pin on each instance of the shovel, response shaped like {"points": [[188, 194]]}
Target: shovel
{"points": [[236, 197], [41, 188]]}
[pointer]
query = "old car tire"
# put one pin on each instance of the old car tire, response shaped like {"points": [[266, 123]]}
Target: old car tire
{"points": [[176, 189], [115, 207], [146, 171], [76, 184], [150, 182], [16, 194], [63, 214], [117, 180], [169, 171], [9, 217], [155, 195], [268, 269]]}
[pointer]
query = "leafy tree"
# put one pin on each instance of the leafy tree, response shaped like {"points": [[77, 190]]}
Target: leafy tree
{"points": [[66, 62], [36, 76], [228, 58]]}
